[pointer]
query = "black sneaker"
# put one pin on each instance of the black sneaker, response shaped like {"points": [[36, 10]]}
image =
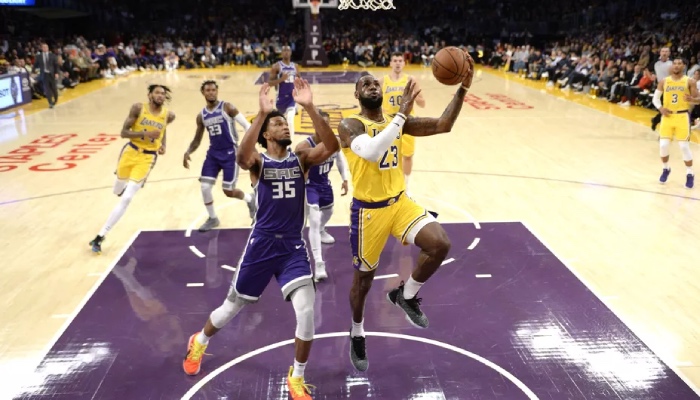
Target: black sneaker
{"points": [[411, 307], [96, 244], [358, 352]]}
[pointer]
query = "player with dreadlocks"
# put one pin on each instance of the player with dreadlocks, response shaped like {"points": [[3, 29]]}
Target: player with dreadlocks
{"points": [[145, 128], [218, 118]]}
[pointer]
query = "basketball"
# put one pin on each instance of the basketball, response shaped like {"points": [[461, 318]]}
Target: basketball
{"points": [[450, 66]]}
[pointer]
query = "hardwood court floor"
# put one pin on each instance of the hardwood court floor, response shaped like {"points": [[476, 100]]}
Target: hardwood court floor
{"points": [[585, 181]]}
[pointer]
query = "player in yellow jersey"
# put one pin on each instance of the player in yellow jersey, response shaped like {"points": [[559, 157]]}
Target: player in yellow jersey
{"points": [[676, 89], [392, 92], [371, 142], [145, 128]]}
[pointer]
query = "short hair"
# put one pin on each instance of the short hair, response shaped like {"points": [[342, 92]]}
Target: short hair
{"points": [[397, 54], [208, 82], [362, 75], [168, 92], [261, 139], [680, 58]]}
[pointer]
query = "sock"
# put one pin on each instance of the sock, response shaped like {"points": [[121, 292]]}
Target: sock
{"points": [[358, 329], [247, 198], [298, 369], [210, 210], [666, 166], [689, 170], [411, 288], [202, 338]]}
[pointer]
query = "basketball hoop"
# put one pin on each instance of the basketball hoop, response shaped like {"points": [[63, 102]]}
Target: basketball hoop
{"points": [[373, 5], [315, 6]]}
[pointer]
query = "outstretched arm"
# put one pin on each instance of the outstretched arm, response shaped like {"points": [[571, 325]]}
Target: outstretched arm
{"points": [[247, 157]]}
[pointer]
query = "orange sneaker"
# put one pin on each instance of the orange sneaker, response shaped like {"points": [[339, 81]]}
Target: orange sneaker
{"points": [[297, 388], [193, 360]]}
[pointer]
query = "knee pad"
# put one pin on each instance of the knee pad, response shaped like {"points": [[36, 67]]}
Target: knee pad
{"points": [[663, 147], [685, 149], [207, 192], [119, 186], [303, 301], [225, 313]]}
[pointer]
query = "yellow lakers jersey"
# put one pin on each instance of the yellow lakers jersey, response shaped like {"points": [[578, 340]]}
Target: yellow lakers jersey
{"points": [[674, 94], [148, 122], [378, 180], [392, 91]]}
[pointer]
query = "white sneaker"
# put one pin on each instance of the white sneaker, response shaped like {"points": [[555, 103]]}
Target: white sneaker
{"points": [[320, 271], [326, 238]]}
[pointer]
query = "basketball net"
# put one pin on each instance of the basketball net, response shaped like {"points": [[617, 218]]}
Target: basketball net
{"points": [[315, 6], [373, 5]]}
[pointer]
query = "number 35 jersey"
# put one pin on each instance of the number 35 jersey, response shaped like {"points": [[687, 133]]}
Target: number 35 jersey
{"points": [[379, 180], [281, 197], [219, 125]]}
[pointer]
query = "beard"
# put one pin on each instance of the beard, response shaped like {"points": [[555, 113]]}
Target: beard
{"points": [[370, 103], [283, 143]]}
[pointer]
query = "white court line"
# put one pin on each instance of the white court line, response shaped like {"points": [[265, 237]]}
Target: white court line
{"points": [[19, 383], [211, 375], [622, 318], [195, 285], [449, 260], [474, 243], [387, 276], [228, 267], [483, 275], [197, 252]]}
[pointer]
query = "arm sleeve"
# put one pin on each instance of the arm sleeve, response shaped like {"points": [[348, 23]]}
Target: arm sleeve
{"points": [[342, 163], [657, 99], [371, 148], [242, 121]]}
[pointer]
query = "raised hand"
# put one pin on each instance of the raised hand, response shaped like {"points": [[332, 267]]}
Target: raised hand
{"points": [[302, 92], [408, 97], [265, 102]]}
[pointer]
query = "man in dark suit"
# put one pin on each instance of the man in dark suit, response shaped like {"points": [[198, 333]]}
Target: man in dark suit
{"points": [[47, 64]]}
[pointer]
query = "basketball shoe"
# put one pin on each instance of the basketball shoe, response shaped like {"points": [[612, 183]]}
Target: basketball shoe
{"points": [[358, 352], [96, 244], [193, 360], [411, 307], [297, 388]]}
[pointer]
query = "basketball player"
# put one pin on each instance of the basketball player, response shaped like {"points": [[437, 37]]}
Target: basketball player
{"points": [[392, 90], [217, 118], [319, 198], [275, 246], [282, 76], [371, 141], [145, 128], [675, 120]]}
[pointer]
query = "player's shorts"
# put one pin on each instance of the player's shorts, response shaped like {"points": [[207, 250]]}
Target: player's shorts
{"points": [[319, 196], [268, 255], [408, 145], [676, 126], [135, 163], [372, 223], [217, 161], [284, 103]]}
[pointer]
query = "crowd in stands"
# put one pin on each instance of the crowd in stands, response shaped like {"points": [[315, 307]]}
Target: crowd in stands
{"points": [[612, 48]]}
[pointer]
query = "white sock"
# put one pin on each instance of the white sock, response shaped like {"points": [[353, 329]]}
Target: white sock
{"points": [[411, 288], [298, 369], [247, 198], [689, 170], [202, 338], [666, 166], [120, 209], [358, 329], [210, 210]]}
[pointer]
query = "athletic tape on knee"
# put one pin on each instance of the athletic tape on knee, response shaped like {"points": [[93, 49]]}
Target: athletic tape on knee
{"points": [[206, 192], [303, 301], [225, 313], [663, 147], [685, 149]]}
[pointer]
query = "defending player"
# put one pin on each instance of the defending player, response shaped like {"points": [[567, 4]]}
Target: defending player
{"points": [[392, 90], [282, 75], [675, 119], [371, 141], [319, 197], [145, 128], [275, 246], [217, 118]]}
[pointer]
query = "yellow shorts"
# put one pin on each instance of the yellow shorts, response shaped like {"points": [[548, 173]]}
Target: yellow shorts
{"points": [[372, 223], [408, 145], [135, 165], [675, 127]]}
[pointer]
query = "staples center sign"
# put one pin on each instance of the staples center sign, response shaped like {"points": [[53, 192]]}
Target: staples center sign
{"points": [[25, 157]]}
